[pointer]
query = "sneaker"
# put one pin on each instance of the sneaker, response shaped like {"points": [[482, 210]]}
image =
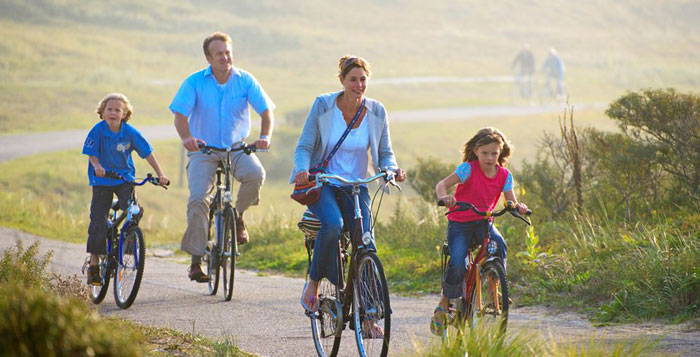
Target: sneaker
{"points": [[93, 277], [195, 273], [241, 232]]}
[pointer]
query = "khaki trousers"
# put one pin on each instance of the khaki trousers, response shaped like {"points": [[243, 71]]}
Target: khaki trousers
{"points": [[201, 170]]}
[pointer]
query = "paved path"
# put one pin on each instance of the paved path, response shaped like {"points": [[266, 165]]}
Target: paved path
{"points": [[264, 316], [19, 145]]}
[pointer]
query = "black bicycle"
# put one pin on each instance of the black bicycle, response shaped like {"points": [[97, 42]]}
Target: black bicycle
{"points": [[126, 251], [361, 286], [222, 243], [485, 288]]}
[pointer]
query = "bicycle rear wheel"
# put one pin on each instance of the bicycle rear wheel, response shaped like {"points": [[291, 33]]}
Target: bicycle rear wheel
{"points": [[327, 323], [490, 303], [98, 293], [130, 265], [211, 252], [228, 256], [370, 307]]}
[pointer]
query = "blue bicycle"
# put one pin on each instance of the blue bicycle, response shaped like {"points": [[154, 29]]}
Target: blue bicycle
{"points": [[126, 252]]}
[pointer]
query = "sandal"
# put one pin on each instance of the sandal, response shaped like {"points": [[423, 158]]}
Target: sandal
{"points": [[372, 330], [312, 306], [439, 321]]}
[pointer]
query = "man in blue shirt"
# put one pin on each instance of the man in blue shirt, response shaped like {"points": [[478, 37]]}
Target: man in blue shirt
{"points": [[211, 107]]}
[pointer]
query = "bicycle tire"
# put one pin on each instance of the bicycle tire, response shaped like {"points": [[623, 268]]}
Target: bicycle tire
{"points": [[211, 253], [494, 298], [130, 265], [328, 323], [371, 303], [98, 293], [228, 258]]}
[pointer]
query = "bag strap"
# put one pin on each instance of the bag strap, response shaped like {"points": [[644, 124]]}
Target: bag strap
{"points": [[345, 134]]}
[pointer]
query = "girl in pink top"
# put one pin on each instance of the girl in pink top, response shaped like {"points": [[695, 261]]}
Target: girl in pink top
{"points": [[480, 179]]}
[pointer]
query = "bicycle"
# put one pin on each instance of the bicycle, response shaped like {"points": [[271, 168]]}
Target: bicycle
{"points": [[485, 294], [222, 244], [361, 285], [126, 252]]}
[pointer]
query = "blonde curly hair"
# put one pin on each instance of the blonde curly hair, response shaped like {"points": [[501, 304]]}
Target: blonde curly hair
{"points": [[128, 109]]}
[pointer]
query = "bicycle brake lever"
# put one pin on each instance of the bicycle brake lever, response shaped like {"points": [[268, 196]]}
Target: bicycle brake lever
{"points": [[518, 215]]}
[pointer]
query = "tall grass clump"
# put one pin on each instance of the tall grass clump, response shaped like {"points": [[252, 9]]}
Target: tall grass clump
{"points": [[487, 340], [45, 316]]}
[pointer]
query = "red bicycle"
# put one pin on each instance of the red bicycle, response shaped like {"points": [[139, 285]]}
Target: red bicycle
{"points": [[485, 297]]}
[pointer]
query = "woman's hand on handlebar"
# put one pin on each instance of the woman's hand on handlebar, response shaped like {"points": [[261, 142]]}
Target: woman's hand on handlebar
{"points": [[400, 175], [302, 178]]}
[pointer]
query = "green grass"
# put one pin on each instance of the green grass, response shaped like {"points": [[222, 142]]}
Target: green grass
{"points": [[148, 47]]}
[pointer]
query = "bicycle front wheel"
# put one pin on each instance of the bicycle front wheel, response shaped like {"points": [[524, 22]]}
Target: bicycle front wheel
{"points": [[98, 293], [370, 307], [211, 252], [130, 265], [490, 300], [228, 256]]}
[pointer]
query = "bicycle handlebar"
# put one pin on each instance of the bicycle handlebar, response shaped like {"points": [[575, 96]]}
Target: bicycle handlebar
{"points": [[149, 178], [509, 207], [387, 175], [247, 149]]}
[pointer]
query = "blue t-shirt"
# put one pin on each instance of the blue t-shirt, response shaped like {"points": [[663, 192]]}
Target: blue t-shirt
{"points": [[114, 151]]}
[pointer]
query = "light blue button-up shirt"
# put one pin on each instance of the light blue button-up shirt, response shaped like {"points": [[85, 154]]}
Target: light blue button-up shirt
{"points": [[218, 114]]}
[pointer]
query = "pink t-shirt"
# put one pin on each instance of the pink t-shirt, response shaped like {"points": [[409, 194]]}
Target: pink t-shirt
{"points": [[478, 189]]}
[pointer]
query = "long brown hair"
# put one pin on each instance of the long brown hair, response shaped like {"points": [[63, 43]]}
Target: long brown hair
{"points": [[483, 137]]}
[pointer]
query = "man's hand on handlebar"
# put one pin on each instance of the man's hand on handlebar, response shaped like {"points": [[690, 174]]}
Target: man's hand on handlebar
{"points": [[262, 144], [192, 143]]}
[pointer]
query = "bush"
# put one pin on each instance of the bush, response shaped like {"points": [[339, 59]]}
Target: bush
{"points": [[37, 323], [426, 174], [24, 266]]}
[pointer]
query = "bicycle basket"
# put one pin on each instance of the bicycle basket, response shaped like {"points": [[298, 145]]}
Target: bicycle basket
{"points": [[309, 224]]}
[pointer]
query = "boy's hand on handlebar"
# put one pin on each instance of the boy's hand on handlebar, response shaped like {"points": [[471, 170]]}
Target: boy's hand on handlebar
{"points": [[192, 143], [100, 171], [163, 180], [302, 178]]}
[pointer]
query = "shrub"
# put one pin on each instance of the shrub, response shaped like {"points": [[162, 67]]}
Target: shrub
{"points": [[426, 174], [24, 266], [37, 323]]}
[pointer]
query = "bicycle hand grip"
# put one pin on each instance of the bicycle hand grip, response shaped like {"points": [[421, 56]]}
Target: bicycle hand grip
{"points": [[441, 203]]}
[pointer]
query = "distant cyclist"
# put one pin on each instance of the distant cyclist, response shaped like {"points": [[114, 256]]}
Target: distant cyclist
{"points": [[108, 146], [553, 68], [523, 67]]}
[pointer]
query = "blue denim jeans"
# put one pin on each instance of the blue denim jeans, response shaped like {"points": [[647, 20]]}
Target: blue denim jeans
{"points": [[335, 208], [461, 236]]}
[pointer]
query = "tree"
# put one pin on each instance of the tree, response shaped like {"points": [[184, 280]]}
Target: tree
{"points": [[622, 163], [669, 121]]}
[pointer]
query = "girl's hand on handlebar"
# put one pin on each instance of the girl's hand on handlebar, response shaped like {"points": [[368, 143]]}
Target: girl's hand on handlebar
{"points": [[302, 178], [448, 200], [522, 208]]}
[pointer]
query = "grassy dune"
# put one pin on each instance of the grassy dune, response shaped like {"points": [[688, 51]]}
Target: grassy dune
{"points": [[58, 58]]}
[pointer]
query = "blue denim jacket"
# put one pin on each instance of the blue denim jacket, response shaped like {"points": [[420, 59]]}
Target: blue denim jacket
{"points": [[317, 129]]}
